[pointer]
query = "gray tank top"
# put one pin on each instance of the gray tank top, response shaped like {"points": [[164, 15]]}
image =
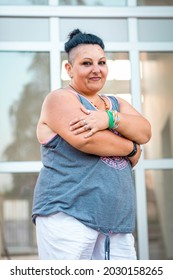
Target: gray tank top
{"points": [[97, 191]]}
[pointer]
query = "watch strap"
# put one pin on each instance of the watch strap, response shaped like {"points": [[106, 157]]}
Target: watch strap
{"points": [[134, 151]]}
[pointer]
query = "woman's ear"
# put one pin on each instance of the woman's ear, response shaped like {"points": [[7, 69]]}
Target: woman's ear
{"points": [[68, 68]]}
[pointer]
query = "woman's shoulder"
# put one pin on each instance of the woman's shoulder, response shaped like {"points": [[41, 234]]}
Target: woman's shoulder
{"points": [[56, 93], [60, 93]]}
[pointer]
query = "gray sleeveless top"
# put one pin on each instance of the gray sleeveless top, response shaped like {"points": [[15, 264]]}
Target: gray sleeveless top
{"points": [[97, 191]]}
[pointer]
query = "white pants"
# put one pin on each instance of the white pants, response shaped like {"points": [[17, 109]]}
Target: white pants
{"points": [[62, 237]]}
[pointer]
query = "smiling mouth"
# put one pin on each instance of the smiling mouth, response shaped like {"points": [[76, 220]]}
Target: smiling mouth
{"points": [[95, 78]]}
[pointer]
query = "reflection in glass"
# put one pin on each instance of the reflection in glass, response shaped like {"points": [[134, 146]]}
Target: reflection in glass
{"points": [[118, 80], [94, 2], [155, 30], [24, 2], [25, 80], [160, 212], [24, 29], [154, 2], [16, 196], [157, 89], [118, 27], [66, 2]]}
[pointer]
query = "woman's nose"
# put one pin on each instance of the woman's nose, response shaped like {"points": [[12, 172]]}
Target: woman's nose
{"points": [[96, 69]]}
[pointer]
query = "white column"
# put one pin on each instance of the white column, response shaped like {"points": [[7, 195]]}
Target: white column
{"points": [[142, 223]]}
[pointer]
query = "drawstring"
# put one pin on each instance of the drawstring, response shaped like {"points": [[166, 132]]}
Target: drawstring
{"points": [[107, 247], [107, 243]]}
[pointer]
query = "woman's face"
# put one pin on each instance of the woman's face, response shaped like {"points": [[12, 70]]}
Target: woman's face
{"points": [[88, 68]]}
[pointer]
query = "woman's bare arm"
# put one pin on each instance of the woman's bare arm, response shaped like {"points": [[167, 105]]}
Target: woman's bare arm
{"points": [[59, 108], [132, 125]]}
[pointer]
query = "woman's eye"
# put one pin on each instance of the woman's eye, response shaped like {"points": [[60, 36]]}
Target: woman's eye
{"points": [[102, 62], [87, 63]]}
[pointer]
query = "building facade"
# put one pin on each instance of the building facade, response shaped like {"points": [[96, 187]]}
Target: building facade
{"points": [[139, 46]]}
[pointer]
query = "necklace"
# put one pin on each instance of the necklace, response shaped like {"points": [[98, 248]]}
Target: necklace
{"points": [[105, 104]]}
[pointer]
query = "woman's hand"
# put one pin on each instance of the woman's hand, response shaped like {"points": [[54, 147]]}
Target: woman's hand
{"points": [[93, 121]]}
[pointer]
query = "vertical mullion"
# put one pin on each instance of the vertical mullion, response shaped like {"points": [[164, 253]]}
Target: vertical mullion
{"points": [[131, 3], [135, 64], [142, 224], [54, 53], [141, 204], [53, 2]]}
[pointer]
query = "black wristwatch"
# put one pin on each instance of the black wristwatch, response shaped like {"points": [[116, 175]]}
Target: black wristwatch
{"points": [[134, 151]]}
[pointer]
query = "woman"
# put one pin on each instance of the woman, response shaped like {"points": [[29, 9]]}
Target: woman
{"points": [[84, 201]]}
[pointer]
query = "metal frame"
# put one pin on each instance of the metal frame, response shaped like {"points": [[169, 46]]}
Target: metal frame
{"points": [[87, 11], [133, 47]]}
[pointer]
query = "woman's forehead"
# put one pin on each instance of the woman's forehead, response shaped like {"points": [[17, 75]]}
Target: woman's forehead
{"points": [[86, 51]]}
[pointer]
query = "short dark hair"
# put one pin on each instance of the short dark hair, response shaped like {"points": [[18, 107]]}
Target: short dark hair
{"points": [[76, 37]]}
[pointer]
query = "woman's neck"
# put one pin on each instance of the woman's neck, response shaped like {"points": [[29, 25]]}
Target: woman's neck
{"points": [[98, 101]]}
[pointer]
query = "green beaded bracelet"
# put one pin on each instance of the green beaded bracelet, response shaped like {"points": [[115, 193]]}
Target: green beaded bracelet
{"points": [[111, 119]]}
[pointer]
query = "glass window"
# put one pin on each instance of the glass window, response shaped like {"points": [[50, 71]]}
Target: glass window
{"points": [[160, 209], [118, 80], [94, 2], [155, 30], [100, 27], [24, 2], [66, 2], [157, 102], [24, 80], [154, 2], [24, 29], [16, 198]]}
